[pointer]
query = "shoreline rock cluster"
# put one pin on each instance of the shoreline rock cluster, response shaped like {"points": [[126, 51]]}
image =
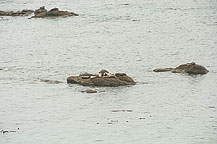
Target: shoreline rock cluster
{"points": [[55, 12], [102, 79], [39, 13], [190, 68]]}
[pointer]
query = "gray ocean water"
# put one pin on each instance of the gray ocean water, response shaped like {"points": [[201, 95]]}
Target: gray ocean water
{"points": [[131, 36]]}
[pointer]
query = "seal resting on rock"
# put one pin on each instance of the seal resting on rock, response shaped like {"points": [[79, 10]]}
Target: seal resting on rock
{"points": [[103, 79], [190, 68]]}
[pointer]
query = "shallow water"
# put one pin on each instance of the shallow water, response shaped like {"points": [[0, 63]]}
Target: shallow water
{"points": [[121, 36]]}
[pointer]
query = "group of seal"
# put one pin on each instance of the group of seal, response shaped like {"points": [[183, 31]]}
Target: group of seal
{"points": [[103, 78], [101, 74]]}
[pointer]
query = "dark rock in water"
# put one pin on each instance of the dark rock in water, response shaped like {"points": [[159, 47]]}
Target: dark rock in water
{"points": [[51, 81], [25, 12], [90, 91], [55, 12], [106, 80], [196, 69], [191, 68], [182, 67]]}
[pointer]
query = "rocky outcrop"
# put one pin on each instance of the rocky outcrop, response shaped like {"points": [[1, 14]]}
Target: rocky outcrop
{"points": [[101, 79], [55, 12], [17, 13], [191, 68]]}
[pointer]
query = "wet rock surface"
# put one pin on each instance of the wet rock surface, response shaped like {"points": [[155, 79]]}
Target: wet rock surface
{"points": [[55, 12], [190, 68], [25, 12], [102, 79]]}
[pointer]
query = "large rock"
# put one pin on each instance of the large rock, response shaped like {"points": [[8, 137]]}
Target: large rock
{"points": [[191, 68], [103, 81], [196, 69], [17, 13], [55, 12]]}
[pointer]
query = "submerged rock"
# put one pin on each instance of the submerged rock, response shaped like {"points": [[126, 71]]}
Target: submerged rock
{"points": [[191, 68], [51, 81], [55, 12], [24, 12], [103, 79]]}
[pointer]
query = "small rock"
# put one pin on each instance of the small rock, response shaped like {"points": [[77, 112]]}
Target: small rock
{"points": [[90, 91]]}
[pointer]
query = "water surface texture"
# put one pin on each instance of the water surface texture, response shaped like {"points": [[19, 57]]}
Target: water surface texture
{"points": [[132, 36]]}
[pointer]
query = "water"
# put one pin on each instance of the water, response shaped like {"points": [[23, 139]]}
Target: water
{"points": [[121, 36]]}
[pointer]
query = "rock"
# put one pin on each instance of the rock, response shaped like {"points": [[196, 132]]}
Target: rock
{"points": [[51, 81], [25, 12], [120, 74], [162, 69], [40, 10], [90, 91], [55, 12], [87, 74], [196, 69], [104, 81], [182, 68], [191, 68]]}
